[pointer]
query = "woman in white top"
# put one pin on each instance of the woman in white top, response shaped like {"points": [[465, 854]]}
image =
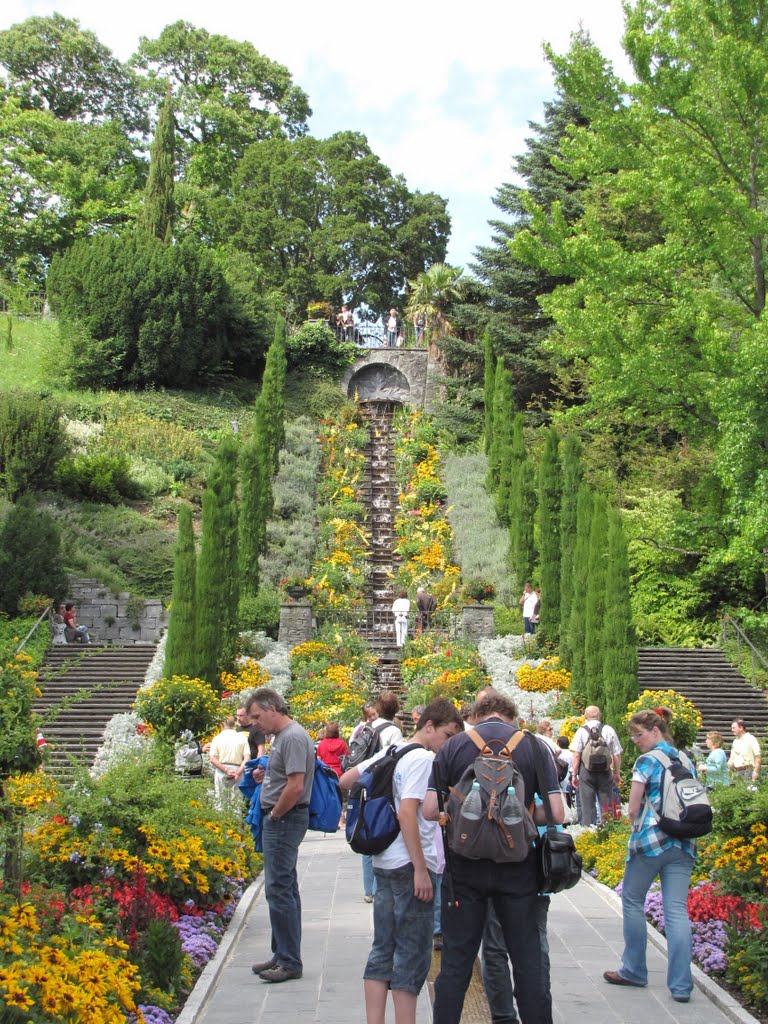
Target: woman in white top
{"points": [[401, 606]]}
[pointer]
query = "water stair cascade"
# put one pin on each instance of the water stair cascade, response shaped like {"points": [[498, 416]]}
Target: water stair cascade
{"points": [[704, 676], [380, 495], [82, 688]]}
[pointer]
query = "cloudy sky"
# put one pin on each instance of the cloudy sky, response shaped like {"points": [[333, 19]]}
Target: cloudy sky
{"points": [[444, 92]]}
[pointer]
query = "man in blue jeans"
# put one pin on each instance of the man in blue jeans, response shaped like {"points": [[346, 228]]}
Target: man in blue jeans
{"points": [[511, 887], [286, 787], [403, 908]]}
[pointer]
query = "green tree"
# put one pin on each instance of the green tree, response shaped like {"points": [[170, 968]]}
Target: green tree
{"points": [[30, 555], [432, 292], [619, 642], [158, 212], [575, 650], [144, 312], [32, 442], [594, 650], [572, 474], [224, 482], [181, 644], [270, 405], [502, 413], [53, 64], [522, 551], [489, 365], [227, 95], [326, 219], [550, 488], [254, 478]]}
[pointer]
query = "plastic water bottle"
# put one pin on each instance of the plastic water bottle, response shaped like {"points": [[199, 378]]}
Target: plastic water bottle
{"points": [[513, 812], [472, 807]]}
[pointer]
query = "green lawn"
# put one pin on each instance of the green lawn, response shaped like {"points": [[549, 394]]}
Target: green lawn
{"points": [[32, 348]]}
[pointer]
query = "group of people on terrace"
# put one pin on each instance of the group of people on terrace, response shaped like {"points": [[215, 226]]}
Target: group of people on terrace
{"points": [[392, 330]]}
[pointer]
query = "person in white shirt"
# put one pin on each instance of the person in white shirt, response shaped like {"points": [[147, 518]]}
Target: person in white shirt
{"points": [[227, 753], [401, 607], [528, 603], [745, 756], [595, 786], [405, 872]]}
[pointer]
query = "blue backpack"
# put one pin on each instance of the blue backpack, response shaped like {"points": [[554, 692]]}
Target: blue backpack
{"points": [[325, 801], [372, 823]]}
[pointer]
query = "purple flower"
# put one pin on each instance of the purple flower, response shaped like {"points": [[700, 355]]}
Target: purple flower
{"points": [[154, 1015], [709, 939]]}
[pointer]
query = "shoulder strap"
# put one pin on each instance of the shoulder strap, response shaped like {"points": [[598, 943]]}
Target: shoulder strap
{"points": [[376, 729], [406, 750], [513, 742], [483, 746]]}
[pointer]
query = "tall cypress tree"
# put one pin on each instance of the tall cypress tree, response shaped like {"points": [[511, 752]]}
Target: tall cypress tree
{"points": [[504, 431], [225, 485], [572, 474], [517, 457], [577, 624], [158, 213], [252, 526], [595, 612], [548, 521], [490, 380], [494, 456], [522, 551], [181, 644], [216, 608], [270, 405], [619, 641]]}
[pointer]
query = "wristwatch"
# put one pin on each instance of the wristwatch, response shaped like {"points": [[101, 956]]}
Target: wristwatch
{"points": [[273, 816]]}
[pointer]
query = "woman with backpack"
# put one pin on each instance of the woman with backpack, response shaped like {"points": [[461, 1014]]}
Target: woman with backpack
{"points": [[654, 853]]}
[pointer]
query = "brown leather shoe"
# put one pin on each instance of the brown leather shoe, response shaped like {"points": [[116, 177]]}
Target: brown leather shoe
{"points": [[265, 965], [614, 978], [279, 973]]}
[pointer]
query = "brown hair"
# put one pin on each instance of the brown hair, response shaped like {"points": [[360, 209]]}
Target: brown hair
{"points": [[496, 704], [544, 726], [653, 718], [440, 712], [387, 704], [331, 730], [715, 738]]}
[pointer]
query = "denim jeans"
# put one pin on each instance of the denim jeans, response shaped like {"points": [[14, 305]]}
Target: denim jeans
{"points": [[402, 932], [438, 891], [674, 867], [369, 879], [494, 963], [511, 888], [281, 840]]}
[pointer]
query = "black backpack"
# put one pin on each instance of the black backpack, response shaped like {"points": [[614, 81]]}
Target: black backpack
{"points": [[372, 823], [365, 744]]}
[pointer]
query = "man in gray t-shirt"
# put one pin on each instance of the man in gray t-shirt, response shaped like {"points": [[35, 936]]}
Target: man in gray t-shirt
{"points": [[286, 786]]}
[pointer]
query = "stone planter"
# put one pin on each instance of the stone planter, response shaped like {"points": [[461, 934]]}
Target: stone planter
{"points": [[295, 623], [477, 622]]}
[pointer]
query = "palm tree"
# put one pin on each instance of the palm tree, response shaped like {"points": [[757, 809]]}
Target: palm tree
{"points": [[432, 292]]}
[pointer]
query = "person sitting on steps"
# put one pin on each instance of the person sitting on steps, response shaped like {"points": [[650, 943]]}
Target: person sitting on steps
{"points": [[74, 633]]}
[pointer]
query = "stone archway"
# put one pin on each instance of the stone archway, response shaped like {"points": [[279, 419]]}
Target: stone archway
{"points": [[379, 382]]}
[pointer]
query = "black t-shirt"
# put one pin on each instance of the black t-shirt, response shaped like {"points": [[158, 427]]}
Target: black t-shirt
{"points": [[255, 738], [458, 753]]}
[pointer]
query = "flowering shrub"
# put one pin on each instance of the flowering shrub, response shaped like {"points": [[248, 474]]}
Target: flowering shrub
{"points": [[332, 677], [30, 791], [18, 690], [250, 675], [436, 667], [477, 589], [423, 533], [173, 705], [340, 568], [686, 719], [543, 677], [569, 725]]}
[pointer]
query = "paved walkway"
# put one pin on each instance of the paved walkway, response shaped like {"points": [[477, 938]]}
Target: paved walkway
{"points": [[585, 940]]}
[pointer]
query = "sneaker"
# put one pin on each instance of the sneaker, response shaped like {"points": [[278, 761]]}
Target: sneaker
{"points": [[682, 999], [279, 973], [368, 899], [265, 965], [437, 942]]}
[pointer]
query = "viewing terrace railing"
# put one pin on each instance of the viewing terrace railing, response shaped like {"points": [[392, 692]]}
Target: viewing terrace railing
{"points": [[742, 652], [374, 622], [375, 335]]}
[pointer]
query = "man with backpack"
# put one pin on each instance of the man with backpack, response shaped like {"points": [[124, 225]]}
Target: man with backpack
{"points": [[501, 823], [596, 764], [286, 790], [405, 870]]}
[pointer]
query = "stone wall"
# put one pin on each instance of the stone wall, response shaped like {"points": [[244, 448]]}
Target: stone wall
{"points": [[295, 623], [477, 622], [119, 618], [392, 375]]}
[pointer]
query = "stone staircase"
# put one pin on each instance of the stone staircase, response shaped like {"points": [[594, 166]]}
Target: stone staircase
{"points": [[379, 492], [704, 676], [82, 688]]}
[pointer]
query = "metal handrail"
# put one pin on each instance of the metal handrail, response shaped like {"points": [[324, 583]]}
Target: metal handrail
{"points": [[728, 620], [34, 628]]}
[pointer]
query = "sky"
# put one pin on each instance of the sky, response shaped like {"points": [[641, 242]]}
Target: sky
{"points": [[444, 92]]}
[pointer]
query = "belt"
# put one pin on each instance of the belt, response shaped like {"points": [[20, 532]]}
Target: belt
{"points": [[296, 807]]}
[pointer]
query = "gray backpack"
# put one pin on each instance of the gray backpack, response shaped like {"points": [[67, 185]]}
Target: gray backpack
{"points": [[489, 819], [596, 755]]}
